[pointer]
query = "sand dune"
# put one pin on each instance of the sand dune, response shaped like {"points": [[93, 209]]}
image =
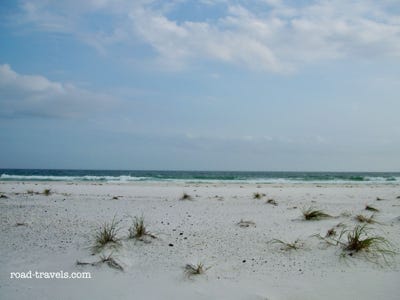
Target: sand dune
{"points": [[51, 233]]}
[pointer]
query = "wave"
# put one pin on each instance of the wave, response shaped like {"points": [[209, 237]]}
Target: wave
{"points": [[7, 177], [233, 177]]}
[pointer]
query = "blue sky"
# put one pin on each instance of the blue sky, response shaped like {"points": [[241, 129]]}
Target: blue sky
{"points": [[200, 85]]}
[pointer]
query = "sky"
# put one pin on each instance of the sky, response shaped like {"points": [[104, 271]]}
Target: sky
{"points": [[263, 85]]}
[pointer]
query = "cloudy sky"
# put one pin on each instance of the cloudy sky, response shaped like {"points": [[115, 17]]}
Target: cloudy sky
{"points": [[200, 85]]}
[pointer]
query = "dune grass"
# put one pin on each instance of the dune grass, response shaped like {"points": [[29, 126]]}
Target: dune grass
{"points": [[245, 224], [258, 195], [371, 208], [363, 219], [138, 229], [287, 246], [312, 214], [107, 234], [185, 196], [109, 260], [272, 202], [359, 241], [195, 269], [46, 192], [21, 224], [373, 247], [331, 232]]}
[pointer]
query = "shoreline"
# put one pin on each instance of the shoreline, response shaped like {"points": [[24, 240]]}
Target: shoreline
{"points": [[185, 182]]}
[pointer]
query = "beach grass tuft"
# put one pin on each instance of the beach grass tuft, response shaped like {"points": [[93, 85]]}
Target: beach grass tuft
{"points": [[138, 229], [287, 246], [359, 240], [109, 260], [272, 202], [245, 224], [107, 234], [363, 219], [258, 195], [186, 196], [311, 214], [371, 208], [331, 232], [374, 247], [195, 269]]}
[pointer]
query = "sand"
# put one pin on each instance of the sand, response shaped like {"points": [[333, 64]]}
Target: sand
{"points": [[51, 233]]}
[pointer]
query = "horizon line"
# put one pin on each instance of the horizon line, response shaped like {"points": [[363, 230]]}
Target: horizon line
{"points": [[187, 170]]}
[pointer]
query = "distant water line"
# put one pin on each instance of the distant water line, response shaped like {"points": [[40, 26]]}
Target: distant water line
{"points": [[197, 176]]}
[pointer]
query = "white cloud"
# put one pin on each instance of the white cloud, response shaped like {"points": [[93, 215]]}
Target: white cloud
{"points": [[32, 83], [264, 34], [178, 44], [35, 95]]}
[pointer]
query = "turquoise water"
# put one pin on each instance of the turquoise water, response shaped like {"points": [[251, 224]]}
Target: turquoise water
{"points": [[197, 176]]}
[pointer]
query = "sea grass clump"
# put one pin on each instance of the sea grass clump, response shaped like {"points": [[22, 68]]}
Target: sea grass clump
{"points": [[258, 195], [109, 260], [363, 219], [195, 269], [371, 208], [311, 214], [138, 230], [374, 247], [360, 241], [186, 196], [106, 234], [287, 246]]}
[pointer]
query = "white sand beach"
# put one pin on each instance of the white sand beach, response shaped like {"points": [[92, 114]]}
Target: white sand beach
{"points": [[51, 233]]}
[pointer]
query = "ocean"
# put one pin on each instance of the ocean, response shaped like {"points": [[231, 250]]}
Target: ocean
{"points": [[198, 176]]}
